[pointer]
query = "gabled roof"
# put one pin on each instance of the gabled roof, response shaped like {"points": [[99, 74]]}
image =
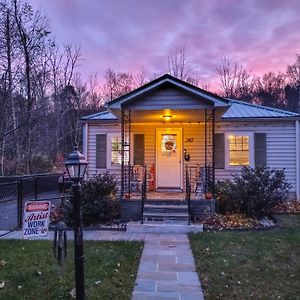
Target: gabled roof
{"points": [[173, 81], [240, 109], [237, 110], [103, 115]]}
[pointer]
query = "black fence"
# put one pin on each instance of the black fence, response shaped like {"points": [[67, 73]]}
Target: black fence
{"points": [[15, 191]]}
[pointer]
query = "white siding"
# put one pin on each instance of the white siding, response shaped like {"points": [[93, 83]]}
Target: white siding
{"points": [[281, 144], [91, 149]]}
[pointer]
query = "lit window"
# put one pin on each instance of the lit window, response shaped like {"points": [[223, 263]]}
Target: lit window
{"points": [[239, 150], [116, 151]]}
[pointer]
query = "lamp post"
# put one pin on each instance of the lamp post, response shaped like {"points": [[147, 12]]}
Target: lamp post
{"points": [[76, 165]]}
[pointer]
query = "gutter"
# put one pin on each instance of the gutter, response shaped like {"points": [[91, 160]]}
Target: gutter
{"points": [[256, 119]]}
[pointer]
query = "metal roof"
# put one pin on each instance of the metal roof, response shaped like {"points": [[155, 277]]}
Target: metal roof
{"points": [[240, 109], [237, 110], [103, 115]]}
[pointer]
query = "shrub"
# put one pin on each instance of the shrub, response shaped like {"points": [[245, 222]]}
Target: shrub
{"points": [[99, 201], [226, 200], [255, 192]]}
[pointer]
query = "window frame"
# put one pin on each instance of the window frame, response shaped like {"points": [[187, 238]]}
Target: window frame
{"points": [[110, 135], [227, 151]]}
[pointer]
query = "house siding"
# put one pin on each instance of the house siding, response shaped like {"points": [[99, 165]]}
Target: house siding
{"points": [[280, 140], [168, 98], [281, 146]]}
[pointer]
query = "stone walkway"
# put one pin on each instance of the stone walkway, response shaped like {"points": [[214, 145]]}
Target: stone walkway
{"points": [[166, 270]]}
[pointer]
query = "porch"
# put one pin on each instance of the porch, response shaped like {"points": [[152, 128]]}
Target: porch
{"points": [[167, 146]]}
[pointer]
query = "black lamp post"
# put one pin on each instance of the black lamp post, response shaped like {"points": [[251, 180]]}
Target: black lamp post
{"points": [[76, 165]]}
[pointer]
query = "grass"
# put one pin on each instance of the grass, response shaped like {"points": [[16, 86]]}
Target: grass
{"points": [[248, 265], [114, 264]]}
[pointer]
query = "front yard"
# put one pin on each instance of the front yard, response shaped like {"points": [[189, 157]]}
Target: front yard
{"points": [[248, 265], [28, 270]]}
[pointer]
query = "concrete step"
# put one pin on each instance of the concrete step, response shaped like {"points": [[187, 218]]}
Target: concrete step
{"points": [[166, 214], [165, 206], [163, 227]]}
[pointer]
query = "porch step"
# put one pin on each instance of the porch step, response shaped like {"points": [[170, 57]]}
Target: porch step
{"points": [[165, 208], [166, 212]]}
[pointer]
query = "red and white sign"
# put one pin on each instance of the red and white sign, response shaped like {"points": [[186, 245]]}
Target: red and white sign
{"points": [[36, 218]]}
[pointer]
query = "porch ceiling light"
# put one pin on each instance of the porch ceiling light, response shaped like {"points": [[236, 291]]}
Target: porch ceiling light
{"points": [[167, 117]]}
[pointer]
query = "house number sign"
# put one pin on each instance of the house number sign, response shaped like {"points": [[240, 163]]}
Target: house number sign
{"points": [[189, 140]]}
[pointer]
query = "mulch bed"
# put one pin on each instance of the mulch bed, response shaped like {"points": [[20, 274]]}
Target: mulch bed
{"points": [[231, 222], [288, 207]]}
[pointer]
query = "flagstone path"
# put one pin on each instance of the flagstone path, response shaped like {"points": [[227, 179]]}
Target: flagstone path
{"points": [[167, 269]]}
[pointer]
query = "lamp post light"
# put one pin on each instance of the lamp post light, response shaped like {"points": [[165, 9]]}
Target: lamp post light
{"points": [[76, 165]]}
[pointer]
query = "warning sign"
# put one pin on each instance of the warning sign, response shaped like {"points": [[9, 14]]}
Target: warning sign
{"points": [[36, 218]]}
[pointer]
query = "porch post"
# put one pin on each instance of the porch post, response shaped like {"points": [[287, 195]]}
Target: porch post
{"points": [[122, 153], [213, 153], [129, 163], [205, 149]]}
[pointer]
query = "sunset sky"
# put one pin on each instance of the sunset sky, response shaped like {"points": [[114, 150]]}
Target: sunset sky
{"points": [[263, 35]]}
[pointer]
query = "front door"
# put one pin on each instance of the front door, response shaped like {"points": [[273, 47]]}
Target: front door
{"points": [[168, 158]]}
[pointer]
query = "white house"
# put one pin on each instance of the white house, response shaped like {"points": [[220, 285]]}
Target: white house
{"points": [[176, 129]]}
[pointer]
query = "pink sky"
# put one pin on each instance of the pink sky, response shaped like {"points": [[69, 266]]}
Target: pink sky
{"points": [[263, 35]]}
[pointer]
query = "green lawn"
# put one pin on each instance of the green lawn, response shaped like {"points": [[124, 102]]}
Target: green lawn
{"points": [[31, 272], [248, 265]]}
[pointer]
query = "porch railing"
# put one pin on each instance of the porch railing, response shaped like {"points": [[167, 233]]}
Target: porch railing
{"points": [[188, 191], [144, 193]]}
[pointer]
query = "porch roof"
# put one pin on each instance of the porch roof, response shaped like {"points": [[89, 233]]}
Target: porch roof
{"points": [[238, 110], [203, 97]]}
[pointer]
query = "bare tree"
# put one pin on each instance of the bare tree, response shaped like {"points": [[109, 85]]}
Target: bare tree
{"points": [[140, 78], [270, 89], [117, 84], [32, 28], [235, 80], [178, 64], [293, 72]]}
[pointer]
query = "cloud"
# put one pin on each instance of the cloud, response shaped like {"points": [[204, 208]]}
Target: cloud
{"points": [[125, 35]]}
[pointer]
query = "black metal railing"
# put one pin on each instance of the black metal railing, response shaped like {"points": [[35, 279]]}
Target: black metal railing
{"points": [[188, 191], [16, 190], [144, 193]]}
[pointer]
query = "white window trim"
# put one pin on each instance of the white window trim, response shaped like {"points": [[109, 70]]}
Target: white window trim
{"points": [[251, 148], [108, 150]]}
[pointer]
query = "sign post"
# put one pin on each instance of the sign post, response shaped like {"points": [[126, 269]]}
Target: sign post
{"points": [[36, 218]]}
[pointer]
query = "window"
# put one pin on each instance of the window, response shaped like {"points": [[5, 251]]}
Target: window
{"points": [[116, 151], [239, 154]]}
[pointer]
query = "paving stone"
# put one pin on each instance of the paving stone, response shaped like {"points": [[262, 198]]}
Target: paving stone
{"points": [[191, 296], [136, 295], [182, 259], [145, 285], [159, 258], [176, 267], [176, 286], [188, 277], [147, 266], [174, 251], [158, 275]]}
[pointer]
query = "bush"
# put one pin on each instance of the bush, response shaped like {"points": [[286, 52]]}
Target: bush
{"points": [[99, 201], [255, 192]]}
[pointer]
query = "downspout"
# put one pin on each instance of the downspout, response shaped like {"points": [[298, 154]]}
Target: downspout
{"points": [[297, 161], [85, 145]]}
